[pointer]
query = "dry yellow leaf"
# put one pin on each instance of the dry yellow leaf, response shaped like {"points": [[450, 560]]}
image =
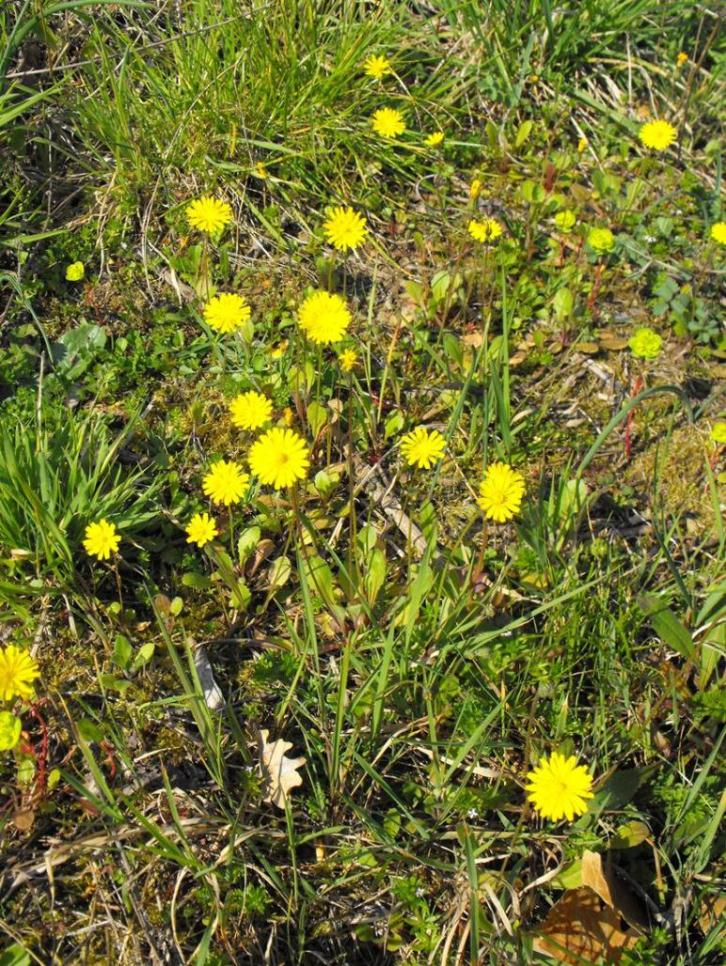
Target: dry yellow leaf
{"points": [[581, 928], [279, 773]]}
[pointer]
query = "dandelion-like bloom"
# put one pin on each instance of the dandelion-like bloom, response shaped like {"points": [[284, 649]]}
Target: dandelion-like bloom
{"points": [[279, 458], [348, 359], [250, 410], [475, 189], [345, 228], [18, 670], [227, 312], [377, 66], [278, 351], [657, 135], [209, 214], [718, 433], [388, 122], [559, 787], [681, 59], [324, 317], [101, 539], [718, 232], [226, 482], [434, 139], [581, 145], [501, 492], [423, 447], [485, 231], [75, 272], [645, 343], [565, 220], [201, 529], [601, 239]]}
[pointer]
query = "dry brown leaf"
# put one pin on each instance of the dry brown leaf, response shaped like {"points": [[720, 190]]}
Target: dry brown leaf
{"points": [[473, 339], [580, 927], [279, 773], [601, 880], [613, 344], [712, 912]]}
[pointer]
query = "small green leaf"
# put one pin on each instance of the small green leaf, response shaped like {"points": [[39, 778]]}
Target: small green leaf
{"points": [[667, 626], [317, 416], [196, 581], [122, 651], [247, 543], [144, 655], [630, 834], [280, 572], [525, 129], [563, 303], [10, 728], [176, 607]]}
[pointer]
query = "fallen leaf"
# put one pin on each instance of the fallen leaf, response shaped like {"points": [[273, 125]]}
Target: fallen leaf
{"points": [[590, 348], [279, 773], [712, 911], [580, 927], [599, 877], [613, 344]]}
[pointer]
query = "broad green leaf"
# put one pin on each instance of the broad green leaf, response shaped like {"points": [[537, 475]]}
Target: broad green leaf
{"points": [[667, 626], [10, 728]]}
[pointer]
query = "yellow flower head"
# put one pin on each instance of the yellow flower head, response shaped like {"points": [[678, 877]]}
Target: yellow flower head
{"points": [[501, 492], [250, 410], [423, 447], [565, 220], [601, 239], [101, 539], [475, 189], [278, 351], [658, 135], [75, 272], [485, 231], [227, 312], [18, 670], [348, 359], [324, 317], [559, 787], [226, 482], [681, 59], [434, 139], [209, 214], [718, 232], [718, 433], [279, 458], [581, 145], [201, 529], [261, 171], [288, 416], [645, 343], [388, 122], [345, 228], [377, 67]]}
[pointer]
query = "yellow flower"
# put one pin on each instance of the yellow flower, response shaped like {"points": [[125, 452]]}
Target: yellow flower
{"points": [[345, 228], [657, 135], [324, 317], [581, 145], [18, 670], [279, 458], [645, 343], [565, 220], [718, 433], [501, 492], [201, 529], [75, 272], [485, 231], [601, 239], [227, 312], [423, 447], [278, 351], [226, 482], [101, 539], [434, 139], [388, 122], [681, 59], [475, 189], [718, 232], [559, 787], [377, 67], [261, 171], [348, 359], [209, 214], [250, 410], [288, 416]]}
